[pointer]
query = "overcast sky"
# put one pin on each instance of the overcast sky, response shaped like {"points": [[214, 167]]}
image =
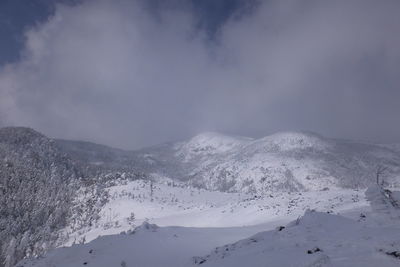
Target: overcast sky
{"points": [[136, 73]]}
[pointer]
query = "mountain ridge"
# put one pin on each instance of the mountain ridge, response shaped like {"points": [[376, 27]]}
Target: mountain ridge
{"points": [[287, 160]]}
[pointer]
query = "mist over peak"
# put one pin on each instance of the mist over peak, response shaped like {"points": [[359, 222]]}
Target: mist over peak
{"points": [[132, 74]]}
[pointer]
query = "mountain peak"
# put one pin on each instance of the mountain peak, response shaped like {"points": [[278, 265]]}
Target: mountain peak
{"points": [[209, 143]]}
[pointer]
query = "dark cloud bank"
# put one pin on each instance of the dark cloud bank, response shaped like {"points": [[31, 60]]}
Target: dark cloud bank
{"points": [[129, 75]]}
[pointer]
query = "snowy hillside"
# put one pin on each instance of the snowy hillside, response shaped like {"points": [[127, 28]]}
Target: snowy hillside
{"points": [[37, 184], [208, 144], [60, 193], [167, 203], [287, 161], [39, 193], [316, 239], [345, 231], [147, 246]]}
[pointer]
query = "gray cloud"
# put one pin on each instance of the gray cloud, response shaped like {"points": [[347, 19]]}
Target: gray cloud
{"points": [[112, 72]]}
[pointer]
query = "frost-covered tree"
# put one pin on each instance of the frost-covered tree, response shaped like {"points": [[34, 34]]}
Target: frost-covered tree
{"points": [[48, 185], [151, 190], [380, 171], [131, 219], [36, 192], [38, 188]]}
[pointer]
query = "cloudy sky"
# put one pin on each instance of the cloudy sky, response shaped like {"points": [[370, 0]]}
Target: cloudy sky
{"points": [[136, 73]]}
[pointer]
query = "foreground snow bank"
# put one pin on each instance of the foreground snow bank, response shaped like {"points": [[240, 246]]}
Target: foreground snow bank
{"points": [[316, 239], [146, 246]]}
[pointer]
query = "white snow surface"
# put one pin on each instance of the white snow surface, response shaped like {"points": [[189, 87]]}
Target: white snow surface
{"points": [[175, 204], [199, 227], [316, 239], [302, 181]]}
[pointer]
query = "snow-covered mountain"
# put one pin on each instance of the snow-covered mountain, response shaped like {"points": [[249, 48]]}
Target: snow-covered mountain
{"points": [[287, 161], [208, 144], [60, 192]]}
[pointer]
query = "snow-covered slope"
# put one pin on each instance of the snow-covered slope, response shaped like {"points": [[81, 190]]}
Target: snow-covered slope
{"points": [[384, 203], [316, 239], [287, 161], [208, 144], [147, 246], [360, 236], [37, 183], [168, 203], [209, 181]]}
